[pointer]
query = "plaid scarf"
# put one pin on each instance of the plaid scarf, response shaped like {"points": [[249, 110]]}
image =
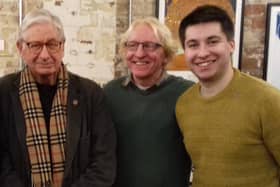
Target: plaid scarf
{"points": [[47, 166]]}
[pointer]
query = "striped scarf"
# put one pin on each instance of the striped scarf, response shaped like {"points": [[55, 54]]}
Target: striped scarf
{"points": [[47, 166]]}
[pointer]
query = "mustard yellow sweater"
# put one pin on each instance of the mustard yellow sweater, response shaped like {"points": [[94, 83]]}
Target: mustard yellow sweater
{"points": [[233, 138]]}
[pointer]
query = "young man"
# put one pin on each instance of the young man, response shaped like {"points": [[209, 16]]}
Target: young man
{"points": [[55, 129], [230, 120]]}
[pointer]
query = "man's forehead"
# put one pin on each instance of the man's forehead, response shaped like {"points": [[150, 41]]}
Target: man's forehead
{"points": [[204, 30]]}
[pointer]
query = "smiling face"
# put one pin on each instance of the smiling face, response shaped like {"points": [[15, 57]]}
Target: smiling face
{"points": [[208, 51], [45, 64], [145, 65]]}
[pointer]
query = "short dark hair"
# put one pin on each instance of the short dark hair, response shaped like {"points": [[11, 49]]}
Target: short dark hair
{"points": [[205, 14]]}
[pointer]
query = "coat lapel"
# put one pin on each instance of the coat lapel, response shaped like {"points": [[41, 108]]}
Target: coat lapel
{"points": [[74, 113]]}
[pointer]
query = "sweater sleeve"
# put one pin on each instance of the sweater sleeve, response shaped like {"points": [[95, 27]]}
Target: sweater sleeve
{"points": [[270, 123]]}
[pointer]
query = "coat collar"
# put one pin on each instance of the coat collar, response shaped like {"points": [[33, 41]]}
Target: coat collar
{"points": [[74, 120]]}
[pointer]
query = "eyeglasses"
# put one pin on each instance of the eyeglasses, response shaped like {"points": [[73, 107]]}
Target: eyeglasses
{"points": [[146, 46], [36, 47]]}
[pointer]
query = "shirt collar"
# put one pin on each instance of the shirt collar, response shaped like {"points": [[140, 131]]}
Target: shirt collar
{"points": [[129, 79]]}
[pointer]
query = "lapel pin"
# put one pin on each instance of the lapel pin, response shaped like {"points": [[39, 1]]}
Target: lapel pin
{"points": [[75, 102]]}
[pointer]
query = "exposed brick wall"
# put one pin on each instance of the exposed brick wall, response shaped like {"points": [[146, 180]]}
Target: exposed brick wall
{"points": [[90, 35], [253, 37], [8, 34]]}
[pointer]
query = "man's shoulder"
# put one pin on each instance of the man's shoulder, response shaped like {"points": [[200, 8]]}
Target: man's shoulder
{"points": [[76, 77], [256, 85], [181, 81], [115, 83], [177, 84], [79, 82], [9, 79], [188, 95], [11, 76]]}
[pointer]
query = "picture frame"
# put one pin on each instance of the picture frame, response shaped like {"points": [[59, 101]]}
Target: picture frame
{"points": [[237, 7], [272, 45]]}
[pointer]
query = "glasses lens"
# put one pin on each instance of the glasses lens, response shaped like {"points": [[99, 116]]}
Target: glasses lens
{"points": [[147, 46], [132, 46], [150, 46], [36, 47], [53, 46]]}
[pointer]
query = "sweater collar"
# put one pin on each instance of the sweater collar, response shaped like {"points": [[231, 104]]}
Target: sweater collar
{"points": [[129, 80]]}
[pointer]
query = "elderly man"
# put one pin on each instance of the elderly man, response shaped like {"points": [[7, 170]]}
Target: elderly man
{"points": [[56, 130]]}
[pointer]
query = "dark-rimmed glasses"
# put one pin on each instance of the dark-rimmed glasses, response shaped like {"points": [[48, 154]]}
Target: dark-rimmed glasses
{"points": [[36, 47], [146, 46]]}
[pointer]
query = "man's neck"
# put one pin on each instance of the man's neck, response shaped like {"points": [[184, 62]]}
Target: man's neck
{"points": [[147, 83], [212, 88], [46, 80]]}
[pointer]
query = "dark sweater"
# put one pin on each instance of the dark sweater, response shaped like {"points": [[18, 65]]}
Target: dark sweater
{"points": [[150, 148], [46, 94]]}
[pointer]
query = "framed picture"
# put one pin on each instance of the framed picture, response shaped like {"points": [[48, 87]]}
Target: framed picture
{"points": [[171, 12], [272, 45]]}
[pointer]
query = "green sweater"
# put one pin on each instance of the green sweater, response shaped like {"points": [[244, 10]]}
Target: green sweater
{"points": [[150, 150], [233, 138]]}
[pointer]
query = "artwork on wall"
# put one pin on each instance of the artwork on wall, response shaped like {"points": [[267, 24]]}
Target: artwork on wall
{"points": [[272, 45], [171, 13]]}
